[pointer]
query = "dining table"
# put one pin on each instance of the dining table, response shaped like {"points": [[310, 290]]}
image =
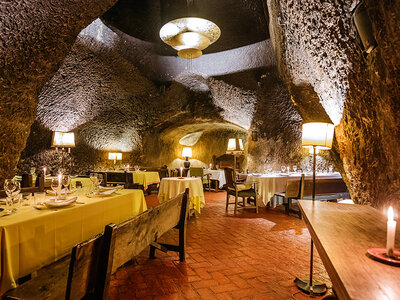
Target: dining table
{"points": [[170, 187], [145, 178], [217, 175], [32, 238], [271, 184]]}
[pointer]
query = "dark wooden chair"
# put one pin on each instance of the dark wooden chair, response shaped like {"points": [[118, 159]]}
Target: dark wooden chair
{"points": [[294, 189], [239, 190], [199, 172], [134, 235], [88, 277]]}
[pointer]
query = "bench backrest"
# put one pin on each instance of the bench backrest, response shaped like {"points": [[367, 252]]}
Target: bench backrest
{"points": [[134, 235], [324, 186], [90, 267]]}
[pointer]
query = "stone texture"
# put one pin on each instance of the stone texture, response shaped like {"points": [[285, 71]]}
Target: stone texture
{"points": [[318, 47], [35, 38]]}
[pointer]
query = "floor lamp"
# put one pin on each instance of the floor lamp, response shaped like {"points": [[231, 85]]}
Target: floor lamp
{"points": [[318, 136]]}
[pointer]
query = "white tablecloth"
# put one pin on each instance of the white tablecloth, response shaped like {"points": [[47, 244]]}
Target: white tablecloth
{"points": [[269, 185], [170, 187], [215, 175]]}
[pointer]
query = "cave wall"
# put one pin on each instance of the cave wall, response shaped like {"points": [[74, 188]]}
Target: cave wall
{"points": [[320, 53], [35, 38]]}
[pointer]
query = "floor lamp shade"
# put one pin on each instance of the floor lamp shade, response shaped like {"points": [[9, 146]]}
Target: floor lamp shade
{"points": [[317, 134], [187, 152], [63, 139]]}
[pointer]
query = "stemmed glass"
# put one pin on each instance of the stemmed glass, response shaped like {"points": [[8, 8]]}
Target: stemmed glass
{"points": [[33, 170], [294, 168], [65, 181], [330, 169], [55, 185], [99, 179], [93, 177], [12, 188], [283, 169], [308, 169]]}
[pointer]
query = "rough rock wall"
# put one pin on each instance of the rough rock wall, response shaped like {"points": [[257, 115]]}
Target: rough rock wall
{"points": [[319, 50], [35, 37]]}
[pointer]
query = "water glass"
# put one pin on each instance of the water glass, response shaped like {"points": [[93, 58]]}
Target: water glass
{"points": [[308, 169], [294, 168], [330, 169], [99, 178], [39, 197], [33, 170], [283, 169]]}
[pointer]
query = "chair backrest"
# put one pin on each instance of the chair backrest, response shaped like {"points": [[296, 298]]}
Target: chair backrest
{"points": [[229, 177], [26, 180], [196, 172], [163, 172], [294, 187], [134, 235], [90, 267], [324, 186]]}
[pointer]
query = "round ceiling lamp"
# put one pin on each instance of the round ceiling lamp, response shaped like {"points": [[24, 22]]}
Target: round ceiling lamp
{"points": [[189, 35]]}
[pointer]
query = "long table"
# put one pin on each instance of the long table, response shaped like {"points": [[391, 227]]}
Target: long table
{"points": [[269, 185], [342, 233], [31, 239]]}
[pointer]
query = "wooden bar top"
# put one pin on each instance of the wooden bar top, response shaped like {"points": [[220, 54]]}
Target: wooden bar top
{"points": [[342, 233]]}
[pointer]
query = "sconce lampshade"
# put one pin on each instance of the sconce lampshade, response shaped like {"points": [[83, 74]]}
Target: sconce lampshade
{"points": [[114, 156], [187, 152], [235, 146], [63, 139], [317, 134]]}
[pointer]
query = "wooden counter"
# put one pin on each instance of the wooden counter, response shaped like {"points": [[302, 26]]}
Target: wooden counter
{"points": [[342, 233]]}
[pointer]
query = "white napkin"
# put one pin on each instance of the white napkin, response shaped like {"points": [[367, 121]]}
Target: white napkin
{"points": [[60, 203]]}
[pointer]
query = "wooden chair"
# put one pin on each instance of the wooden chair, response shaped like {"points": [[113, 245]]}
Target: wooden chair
{"points": [[88, 277], [199, 172], [239, 190], [294, 190]]}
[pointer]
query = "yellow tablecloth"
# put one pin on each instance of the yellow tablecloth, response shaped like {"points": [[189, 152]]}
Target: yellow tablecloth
{"points": [[146, 178], [172, 186], [31, 239]]}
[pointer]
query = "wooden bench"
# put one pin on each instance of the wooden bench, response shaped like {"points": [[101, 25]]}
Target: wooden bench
{"points": [[325, 190], [86, 273]]}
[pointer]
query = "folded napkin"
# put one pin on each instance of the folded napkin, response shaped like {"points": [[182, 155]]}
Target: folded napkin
{"points": [[63, 191], [109, 188], [60, 203], [102, 194]]}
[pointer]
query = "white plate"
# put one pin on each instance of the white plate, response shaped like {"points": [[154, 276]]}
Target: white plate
{"points": [[60, 203], [109, 188]]}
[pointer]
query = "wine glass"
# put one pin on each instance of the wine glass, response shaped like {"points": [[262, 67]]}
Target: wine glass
{"points": [[94, 179], [283, 169], [308, 169], [99, 178], [12, 188], [288, 169], [294, 168], [330, 169], [33, 170], [269, 170], [65, 181], [55, 184]]}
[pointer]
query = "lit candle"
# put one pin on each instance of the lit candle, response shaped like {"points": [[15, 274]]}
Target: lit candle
{"points": [[391, 232], [44, 171], [210, 166], [59, 178], [181, 170]]}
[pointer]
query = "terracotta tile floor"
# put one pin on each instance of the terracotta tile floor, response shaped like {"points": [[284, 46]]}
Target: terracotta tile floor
{"points": [[247, 256]]}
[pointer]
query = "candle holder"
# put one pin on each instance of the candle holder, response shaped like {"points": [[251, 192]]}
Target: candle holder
{"points": [[380, 255]]}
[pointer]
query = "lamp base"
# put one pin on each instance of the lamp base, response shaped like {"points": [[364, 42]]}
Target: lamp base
{"points": [[315, 289], [186, 164]]}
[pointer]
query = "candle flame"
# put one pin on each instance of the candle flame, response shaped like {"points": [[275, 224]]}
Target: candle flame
{"points": [[390, 214]]}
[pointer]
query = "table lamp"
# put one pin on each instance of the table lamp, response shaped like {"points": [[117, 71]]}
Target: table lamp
{"points": [[114, 156], [187, 152], [63, 140], [315, 135]]}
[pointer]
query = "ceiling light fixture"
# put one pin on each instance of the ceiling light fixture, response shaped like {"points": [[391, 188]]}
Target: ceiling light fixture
{"points": [[189, 36]]}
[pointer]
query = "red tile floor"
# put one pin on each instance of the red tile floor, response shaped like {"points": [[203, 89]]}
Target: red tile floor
{"points": [[247, 256]]}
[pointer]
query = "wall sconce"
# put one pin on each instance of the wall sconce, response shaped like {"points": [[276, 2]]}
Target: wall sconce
{"points": [[187, 152], [364, 28], [63, 140], [254, 136], [114, 156]]}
